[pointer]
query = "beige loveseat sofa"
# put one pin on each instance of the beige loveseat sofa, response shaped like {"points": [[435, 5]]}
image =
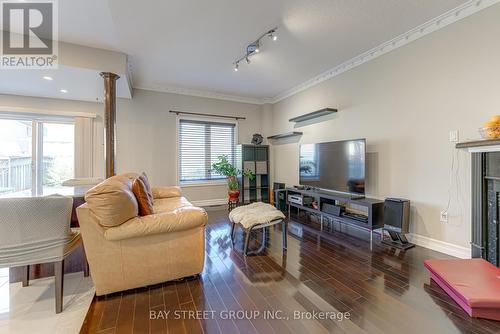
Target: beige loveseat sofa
{"points": [[125, 251]]}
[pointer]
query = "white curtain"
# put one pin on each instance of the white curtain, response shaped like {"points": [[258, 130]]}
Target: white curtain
{"points": [[84, 147]]}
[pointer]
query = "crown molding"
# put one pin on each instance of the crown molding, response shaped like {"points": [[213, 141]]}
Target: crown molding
{"points": [[469, 8], [201, 93]]}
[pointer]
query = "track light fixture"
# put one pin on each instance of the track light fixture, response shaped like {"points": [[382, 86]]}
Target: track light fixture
{"points": [[254, 47]]}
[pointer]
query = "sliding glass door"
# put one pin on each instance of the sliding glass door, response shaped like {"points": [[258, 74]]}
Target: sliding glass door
{"points": [[16, 155], [35, 153], [57, 153]]}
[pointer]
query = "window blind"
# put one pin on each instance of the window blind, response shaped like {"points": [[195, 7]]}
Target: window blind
{"points": [[200, 143]]}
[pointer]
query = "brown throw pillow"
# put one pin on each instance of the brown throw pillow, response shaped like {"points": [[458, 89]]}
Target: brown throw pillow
{"points": [[142, 192]]}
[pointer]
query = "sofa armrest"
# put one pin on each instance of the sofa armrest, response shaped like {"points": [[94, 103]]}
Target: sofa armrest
{"points": [[164, 222], [166, 192]]}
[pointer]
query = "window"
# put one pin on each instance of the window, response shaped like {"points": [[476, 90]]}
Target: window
{"points": [[57, 151], [309, 162], [200, 143], [35, 153]]}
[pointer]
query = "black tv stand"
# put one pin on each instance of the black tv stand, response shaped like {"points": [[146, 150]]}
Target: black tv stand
{"points": [[374, 208], [335, 193]]}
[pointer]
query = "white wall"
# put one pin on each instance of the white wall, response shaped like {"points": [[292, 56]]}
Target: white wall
{"points": [[404, 104]]}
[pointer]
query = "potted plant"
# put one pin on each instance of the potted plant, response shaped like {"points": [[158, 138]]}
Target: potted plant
{"points": [[224, 167]]}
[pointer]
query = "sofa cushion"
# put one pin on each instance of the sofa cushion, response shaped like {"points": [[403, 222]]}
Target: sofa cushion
{"points": [[112, 201], [126, 178], [170, 204], [166, 192], [142, 192], [164, 222]]}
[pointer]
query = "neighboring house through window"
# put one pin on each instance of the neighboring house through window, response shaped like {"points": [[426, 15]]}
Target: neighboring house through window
{"points": [[35, 153]]}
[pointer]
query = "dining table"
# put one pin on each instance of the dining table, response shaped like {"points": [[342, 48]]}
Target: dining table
{"points": [[76, 192]]}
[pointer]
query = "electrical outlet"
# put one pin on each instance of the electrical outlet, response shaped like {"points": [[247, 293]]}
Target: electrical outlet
{"points": [[454, 136], [444, 217]]}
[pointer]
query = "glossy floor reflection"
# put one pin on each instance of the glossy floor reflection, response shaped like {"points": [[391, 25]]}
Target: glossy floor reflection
{"points": [[384, 291], [32, 310]]}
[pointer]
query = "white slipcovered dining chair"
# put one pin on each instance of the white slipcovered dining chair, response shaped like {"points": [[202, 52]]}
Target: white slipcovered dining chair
{"points": [[37, 230]]}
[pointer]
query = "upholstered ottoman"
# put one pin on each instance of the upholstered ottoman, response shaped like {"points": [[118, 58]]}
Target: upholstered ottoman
{"points": [[256, 216], [474, 284]]}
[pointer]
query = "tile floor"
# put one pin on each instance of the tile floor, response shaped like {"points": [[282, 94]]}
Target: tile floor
{"points": [[31, 309]]}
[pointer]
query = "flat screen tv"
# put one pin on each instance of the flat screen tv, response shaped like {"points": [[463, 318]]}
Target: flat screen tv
{"points": [[337, 166]]}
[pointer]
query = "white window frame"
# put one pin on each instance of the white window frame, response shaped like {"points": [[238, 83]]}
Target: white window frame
{"points": [[177, 161]]}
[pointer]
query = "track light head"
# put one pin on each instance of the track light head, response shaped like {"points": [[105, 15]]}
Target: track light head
{"points": [[254, 47]]}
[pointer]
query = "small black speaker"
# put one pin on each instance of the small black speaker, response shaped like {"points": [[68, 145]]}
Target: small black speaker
{"points": [[397, 215], [397, 222], [279, 196]]}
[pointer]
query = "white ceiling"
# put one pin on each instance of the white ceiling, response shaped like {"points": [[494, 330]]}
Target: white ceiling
{"points": [[78, 83], [192, 44]]}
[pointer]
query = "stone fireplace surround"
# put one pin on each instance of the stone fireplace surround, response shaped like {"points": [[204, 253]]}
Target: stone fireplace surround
{"points": [[485, 156]]}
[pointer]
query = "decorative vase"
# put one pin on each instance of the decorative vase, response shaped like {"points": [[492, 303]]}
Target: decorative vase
{"points": [[234, 195]]}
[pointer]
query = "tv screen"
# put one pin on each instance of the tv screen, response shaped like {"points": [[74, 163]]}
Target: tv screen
{"points": [[337, 166]]}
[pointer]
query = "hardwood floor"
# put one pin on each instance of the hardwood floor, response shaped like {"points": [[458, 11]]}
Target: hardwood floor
{"points": [[383, 291]]}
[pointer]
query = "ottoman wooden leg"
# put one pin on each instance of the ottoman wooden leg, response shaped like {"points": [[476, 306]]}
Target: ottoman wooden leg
{"points": [[284, 233], [263, 244], [233, 229], [247, 239], [264, 240]]}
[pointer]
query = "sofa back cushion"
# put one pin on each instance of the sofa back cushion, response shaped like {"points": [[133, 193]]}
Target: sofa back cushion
{"points": [[112, 201], [143, 194]]}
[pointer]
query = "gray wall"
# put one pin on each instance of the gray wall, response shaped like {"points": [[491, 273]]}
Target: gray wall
{"points": [[147, 135], [405, 103], [146, 132]]}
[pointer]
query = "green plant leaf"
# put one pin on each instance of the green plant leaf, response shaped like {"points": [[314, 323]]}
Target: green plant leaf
{"points": [[225, 168]]}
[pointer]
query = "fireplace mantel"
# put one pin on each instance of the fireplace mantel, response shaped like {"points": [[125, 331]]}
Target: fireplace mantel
{"points": [[480, 145]]}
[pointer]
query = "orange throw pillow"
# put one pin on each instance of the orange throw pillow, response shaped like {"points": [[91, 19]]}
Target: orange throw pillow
{"points": [[145, 180], [142, 191]]}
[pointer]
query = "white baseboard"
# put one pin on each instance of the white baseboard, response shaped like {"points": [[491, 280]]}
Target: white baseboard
{"points": [[440, 246], [210, 202]]}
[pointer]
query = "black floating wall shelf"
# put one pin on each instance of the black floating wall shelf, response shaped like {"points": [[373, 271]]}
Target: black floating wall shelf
{"points": [[312, 115], [285, 135]]}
